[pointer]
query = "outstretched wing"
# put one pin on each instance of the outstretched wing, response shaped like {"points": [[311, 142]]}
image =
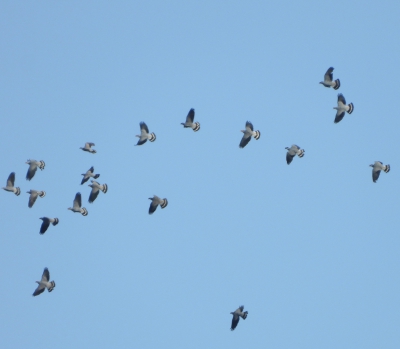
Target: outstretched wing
{"points": [[328, 75], [235, 321], [45, 275], [190, 116], [11, 179], [93, 194], [339, 116], [78, 200], [39, 290], [245, 139], [45, 225], [143, 127], [32, 198]]}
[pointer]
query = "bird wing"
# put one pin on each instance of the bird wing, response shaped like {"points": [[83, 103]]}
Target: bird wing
{"points": [[39, 290], [235, 321], [31, 171], [341, 99], [141, 141], [45, 225], [45, 275], [11, 179], [328, 75], [339, 116], [78, 200], [143, 127], [375, 174], [93, 194], [153, 206], [249, 125], [85, 179], [245, 139], [90, 170], [32, 198], [89, 144], [190, 116], [289, 158]]}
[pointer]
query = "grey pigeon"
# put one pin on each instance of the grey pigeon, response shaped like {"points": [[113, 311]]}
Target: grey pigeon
{"points": [[195, 126], [237, 314], [145, 135], [292, 152], [76, 206], [88, 174], [88, 147], [96, 187], [328, 79], [46, 223], [248, 133], [377, 167], [155, 201], [33, 166], [44, 283], [10, 184], [342, 108], [34, 195]]}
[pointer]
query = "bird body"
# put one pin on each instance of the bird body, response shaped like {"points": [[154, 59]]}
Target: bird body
{"points": [[292, 152], [89, 173], [44, 283], [76, 206], [195, 126], [328, 79], [377, 167], [88, 147], [46, 223], [96, 187], [34, 195], [237, 314], [145, 135], [33, 166], [342, 108], [248, 133], [155, 201], [10, 185]]}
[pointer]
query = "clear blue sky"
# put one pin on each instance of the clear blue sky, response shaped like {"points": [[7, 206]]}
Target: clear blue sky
{"points": [[311, 249]]}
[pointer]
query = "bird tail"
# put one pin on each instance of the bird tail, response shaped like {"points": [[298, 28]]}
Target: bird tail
{"points": [[84, 211], [53, 284], [93, 151], [105, 188], [96, 176], [56, 220], [152, 137], [301, 153], [387, 168], [42, 194], [351, 108], [196, 126], [164, 204], [17, 191], [42, 165], [337, 84], [258, 135], [244, 316]]}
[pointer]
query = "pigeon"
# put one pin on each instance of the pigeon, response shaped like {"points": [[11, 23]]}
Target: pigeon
{"points": [[292, 151], [145, 135], [76, 206], [34, 195], [96, 187], [328, 80], [88, 174], [33, 165], [10, 185], [88, 147], [155, 201], [236, 314], [342, 108], [189, 121], [44, 283], [377, 167], [46, 223], [248, 133]]}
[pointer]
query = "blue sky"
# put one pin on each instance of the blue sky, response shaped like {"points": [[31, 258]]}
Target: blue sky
{"points": [[310, 249]]}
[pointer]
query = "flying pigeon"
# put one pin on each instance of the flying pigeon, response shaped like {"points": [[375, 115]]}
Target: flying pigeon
{"points": [[33, 165], [155, 201], [76, 207], [248, 133], [145, 135], [328, 80], [377, 167], [88, 174], [96, 187], [10, 184], [189, 121], [34, 195], [88, 147], [236, 314], [292, 151], [46, 223], [44, 283], [342, 108]]}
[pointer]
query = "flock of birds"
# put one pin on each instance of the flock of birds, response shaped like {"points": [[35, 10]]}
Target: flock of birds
{"points": [[145, 135]]}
